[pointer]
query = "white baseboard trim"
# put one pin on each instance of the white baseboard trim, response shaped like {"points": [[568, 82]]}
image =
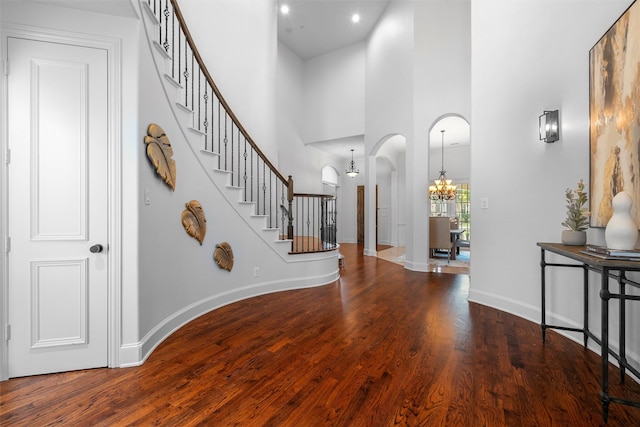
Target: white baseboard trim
{"points": [[416, 266], [130, 355], [134, 354]]}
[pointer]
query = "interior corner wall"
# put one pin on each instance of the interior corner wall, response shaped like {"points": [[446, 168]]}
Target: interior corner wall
{"points": [[526, 60], [237, 40], [289, 88], [304, 163], [333, 96]]}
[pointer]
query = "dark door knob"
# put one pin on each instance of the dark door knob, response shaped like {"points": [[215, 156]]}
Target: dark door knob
{"points": [[96, 249]]}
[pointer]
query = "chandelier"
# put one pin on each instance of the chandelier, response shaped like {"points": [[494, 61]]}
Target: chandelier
{"points": [[443, 189], [352, 171]]}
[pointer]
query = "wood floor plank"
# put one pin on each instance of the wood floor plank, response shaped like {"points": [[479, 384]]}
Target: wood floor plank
{"points": [[382, 346]]}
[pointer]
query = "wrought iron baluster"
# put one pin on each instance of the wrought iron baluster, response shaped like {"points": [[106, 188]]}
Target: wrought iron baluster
{"points": [[192, 81], [166, 27], [301, 227], [213, 125], [244, 174], [159, 18], [186, 73], [173, 45], [206, 118], [239, 156], [279, 210], [312, 232], [226, 141], [255, 192], [179, 68], [232, 153], [267, 184], [199, 104], [264, 189]]}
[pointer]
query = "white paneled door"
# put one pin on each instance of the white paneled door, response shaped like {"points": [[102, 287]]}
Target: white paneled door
{"points": [[57, 207]]}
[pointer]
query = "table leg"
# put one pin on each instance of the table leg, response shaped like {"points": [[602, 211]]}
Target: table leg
{"points": [[604, 296], [455, 248], [585, 293], [623, 345], [543, 310]]}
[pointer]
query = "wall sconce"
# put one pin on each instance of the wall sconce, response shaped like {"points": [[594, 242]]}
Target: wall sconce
{"points": [[549, 126]]}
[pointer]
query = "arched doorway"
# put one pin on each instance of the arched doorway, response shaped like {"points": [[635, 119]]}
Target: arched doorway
{"points": [[388, 170], [449, 152]]}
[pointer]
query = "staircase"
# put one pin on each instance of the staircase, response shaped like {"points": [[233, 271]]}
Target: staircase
{"points": [[237, 167], [291, 223]]}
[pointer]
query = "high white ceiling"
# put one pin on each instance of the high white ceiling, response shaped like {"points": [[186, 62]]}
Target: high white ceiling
{"points": [[315, 27]]}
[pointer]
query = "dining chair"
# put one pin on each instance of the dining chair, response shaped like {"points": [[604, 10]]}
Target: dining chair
{"points": [[454, 223], [440, 235]]}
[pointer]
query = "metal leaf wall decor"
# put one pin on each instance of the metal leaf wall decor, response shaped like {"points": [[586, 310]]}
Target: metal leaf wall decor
{"points": [[223, 255], [160, 153], [194, 221]]}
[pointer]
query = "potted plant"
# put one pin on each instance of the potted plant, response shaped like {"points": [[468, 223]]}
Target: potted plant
{"points": [[577, 220]]}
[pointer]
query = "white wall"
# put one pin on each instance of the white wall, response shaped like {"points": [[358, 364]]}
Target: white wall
{"points": [[321, 99], [385, 207], [417, 71], [532, 61], [457, 163], [305, 162], [443, 87], [289, 90], [334, 94], [302, 161], [389, 103], [179, 279]]}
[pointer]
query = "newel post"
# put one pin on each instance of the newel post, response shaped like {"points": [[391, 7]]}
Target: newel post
{"points": [[290, 199]]}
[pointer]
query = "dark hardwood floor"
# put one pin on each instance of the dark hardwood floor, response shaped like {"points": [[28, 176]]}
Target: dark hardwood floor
{"points": [[384, 346]]}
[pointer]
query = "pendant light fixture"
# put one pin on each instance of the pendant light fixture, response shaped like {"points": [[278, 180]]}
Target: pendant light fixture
{"points": [[443, 188], [352, 171]]}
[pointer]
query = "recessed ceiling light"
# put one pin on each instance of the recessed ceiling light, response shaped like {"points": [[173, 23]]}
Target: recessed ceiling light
{"points": [[355, 18], [284, 9]]}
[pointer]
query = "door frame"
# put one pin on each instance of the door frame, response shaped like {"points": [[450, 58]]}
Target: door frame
{"points": [[114, 179], [360, 214]]}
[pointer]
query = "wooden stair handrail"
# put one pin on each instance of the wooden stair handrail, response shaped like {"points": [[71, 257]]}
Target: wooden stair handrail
{"points": [[229, 111]]}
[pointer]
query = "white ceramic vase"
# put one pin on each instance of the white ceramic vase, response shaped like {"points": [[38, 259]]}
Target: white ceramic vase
{"points": [[622, 231]]}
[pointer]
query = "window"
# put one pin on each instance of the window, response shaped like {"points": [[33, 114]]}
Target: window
{"points": [[460, 207], [463, 208]]}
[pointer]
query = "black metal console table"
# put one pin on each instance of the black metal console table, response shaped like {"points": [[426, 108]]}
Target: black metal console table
{"points": [[608, 269]]}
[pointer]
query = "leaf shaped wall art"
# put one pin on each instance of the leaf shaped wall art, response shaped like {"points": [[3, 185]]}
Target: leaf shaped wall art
{"points": [[223, 256], [194, 221], [160, 153]]}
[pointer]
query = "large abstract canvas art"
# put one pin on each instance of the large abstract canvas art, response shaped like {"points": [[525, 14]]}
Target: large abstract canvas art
{"points": [[614, 111]]}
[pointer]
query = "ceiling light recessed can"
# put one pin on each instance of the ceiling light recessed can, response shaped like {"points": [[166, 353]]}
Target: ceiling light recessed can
{"points": [[284, 9], [355, 18]]}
